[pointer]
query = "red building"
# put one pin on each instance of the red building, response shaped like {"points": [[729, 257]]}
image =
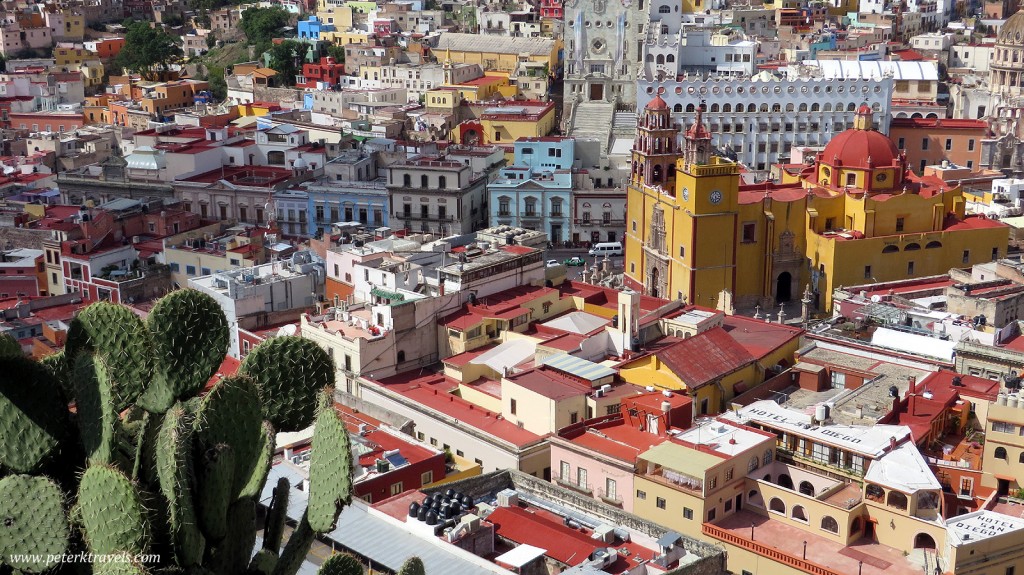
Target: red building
{"points": [[316, 75], [390, 462], [551, 9]]}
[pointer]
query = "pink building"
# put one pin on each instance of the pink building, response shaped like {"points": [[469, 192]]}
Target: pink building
{"points": [[598, 456]]}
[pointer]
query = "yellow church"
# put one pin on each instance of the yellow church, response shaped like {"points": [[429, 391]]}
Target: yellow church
{"points": [[856, 215]]}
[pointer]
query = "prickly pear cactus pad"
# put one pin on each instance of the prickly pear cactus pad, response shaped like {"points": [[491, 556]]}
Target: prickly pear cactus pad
{"points": [[341, 564], [57, 365], [33, 415], [330, 467], [231, 556], [215, 473], [174, 469], [111, 513], [289, 371], [254, 485], [231, 414], [97, 411], [33, 525], [118, 335], [413, 566], [190, 337], [9, 347]]}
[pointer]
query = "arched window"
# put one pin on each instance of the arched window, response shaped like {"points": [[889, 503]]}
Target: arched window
{"points": [[776, 107], [764, 107], [664, 9], [751, 108], [656, 174], [875, 493], [815, 107], [726, 108], [649, 58], [660, 59], [932, 245], [690, 109], [803, 107], [767, 477], [401, 356], [911, 247], [777, 505], [807, 488], [828, 523], [799, 513], [753, 464], [677, 108], [670, 58], [785, 481], [851, 107], [790, 107], [924, 541], [890, 249], [716, 108], [896, 500], [828, 107], [1000, 453]]}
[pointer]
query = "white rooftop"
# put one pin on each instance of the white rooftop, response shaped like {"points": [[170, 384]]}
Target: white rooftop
{"points": [[914, 343], [521, 555], [579, 322], [860, 69], [723, 437], [903, 469], [980, 525], [507, 354], [871, 441]]}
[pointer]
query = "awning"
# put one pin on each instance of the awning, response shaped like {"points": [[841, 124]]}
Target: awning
{"points": [[385, 294]]}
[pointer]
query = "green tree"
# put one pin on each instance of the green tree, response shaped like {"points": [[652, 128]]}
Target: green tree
{"points": [[262, 24], [218, 86], [286, 59], [211, 40], [336, 52], [147, 51]]}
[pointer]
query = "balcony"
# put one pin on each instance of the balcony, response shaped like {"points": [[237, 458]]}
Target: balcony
{"points": [[676, 480], [428, 217], [612, 499], [570, 483]]}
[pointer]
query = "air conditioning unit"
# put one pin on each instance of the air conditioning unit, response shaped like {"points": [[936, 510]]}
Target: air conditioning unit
{"points": [[598, 392]]}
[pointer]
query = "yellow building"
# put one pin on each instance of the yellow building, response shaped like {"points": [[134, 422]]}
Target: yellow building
{"points": [[502, 124], [500, 53], [63, 57], [486, 88], [858, 213], [336, 15], [1003, 464]]}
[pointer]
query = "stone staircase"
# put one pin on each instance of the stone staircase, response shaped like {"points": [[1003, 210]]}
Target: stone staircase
{"points": [[593, 120], [624, 123]]}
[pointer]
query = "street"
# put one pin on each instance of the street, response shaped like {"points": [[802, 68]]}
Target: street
{"points": [[573, 273]]}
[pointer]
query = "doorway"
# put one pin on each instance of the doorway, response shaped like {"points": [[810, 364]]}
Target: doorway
{"points": [[596, 92], [783, 287], [556, 233], [869, 530], [652, 289], [739, 502]]}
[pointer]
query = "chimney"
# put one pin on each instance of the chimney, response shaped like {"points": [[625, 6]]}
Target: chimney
{"points": [[913, 384], [892, 443]]}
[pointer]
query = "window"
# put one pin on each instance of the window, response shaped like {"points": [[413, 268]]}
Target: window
{"points": [[190, 270], [712, 514], [867, 272], [512, 407], [829, 524], [659, 502], [610, 489], [682, 251], [838, 380], [970, 145], [427, 478], [581, 477], [900, 224], [1000, 453], [641, 494], [574, 417], [900, 143], [396, 488], [755, 462], [767, 456], [433, 441], [687, 513], [924, 144], [949, 144], [966, 256], [728, 474], [713, 482], [749, 229], [910, 268]]}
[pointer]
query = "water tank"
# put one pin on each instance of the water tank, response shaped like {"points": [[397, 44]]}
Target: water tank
{"points": [[432, 518], [414, 509], [1011, 400], [1001, 399], [821, 412], [894, 391], [449, 493], [422, 513], [666, 406], [467, 501]]}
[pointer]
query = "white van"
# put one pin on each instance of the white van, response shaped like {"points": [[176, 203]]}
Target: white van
{"points": [[606, 249]]}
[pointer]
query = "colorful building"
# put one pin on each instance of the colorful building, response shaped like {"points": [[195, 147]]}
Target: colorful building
{"points": [[504, 123], [856, 213], [535, 192], [930, 142], [322, 75]]}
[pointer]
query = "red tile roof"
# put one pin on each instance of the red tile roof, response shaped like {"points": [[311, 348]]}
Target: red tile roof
{"points": [[758, 337], [550, 383], [565, 545], [705, 357]]}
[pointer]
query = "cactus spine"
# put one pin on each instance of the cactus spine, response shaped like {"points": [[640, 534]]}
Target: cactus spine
{"points": [[33, 524]]}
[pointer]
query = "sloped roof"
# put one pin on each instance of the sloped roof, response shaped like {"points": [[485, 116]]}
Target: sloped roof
{"points": [[496, 44], [903, 469], [704, 357]]}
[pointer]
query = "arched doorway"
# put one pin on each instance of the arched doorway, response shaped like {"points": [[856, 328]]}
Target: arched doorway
{"points": [[783, 289], [785, 481], [924, 541], [652, 287]]}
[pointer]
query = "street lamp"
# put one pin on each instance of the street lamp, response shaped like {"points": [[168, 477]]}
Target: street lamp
{"points": [[805, 551], [751, 531]]}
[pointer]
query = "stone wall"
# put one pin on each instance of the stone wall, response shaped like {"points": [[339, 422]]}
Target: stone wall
{"points": [[22, 238], [712, 560], [404, 424]]}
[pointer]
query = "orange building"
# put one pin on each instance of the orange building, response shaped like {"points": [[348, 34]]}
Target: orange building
{"points": [[927, 142], [106, 48]]}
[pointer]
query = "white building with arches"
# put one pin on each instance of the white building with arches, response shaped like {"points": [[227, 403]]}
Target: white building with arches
{"points": [[757, 120]]}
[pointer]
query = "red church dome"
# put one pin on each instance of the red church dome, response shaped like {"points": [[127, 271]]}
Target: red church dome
{"points": [[854, 147], [657, 104]]}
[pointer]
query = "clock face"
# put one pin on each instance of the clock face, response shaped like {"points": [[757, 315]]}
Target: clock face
{"points": [[716, 197], [686, 194]]}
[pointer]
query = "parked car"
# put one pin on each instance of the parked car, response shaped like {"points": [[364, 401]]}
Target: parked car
{"points": [[553, 263], [575, 261]]}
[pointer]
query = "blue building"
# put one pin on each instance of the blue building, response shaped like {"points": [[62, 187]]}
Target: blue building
{"points": [[311, 28], [535, 192], [348, 201]]}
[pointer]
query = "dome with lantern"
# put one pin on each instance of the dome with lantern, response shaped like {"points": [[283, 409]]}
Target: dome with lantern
{"points": [[861, 158]]}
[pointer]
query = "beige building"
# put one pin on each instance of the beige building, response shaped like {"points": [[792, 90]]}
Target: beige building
{"points": [[1003, 464], [211, 249]]}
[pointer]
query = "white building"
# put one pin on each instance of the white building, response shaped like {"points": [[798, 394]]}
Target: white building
{"points": [[975, 57], [759, 119], [265, 294]]}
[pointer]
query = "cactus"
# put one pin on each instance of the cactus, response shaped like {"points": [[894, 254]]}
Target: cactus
{"points": [[190, 336], [97, 409], [289, 370], [231, 414], [120, 337], [330, 467], [413, 566], [33, 525], [174, 469], [9, 347], [152, 466], [277, 514], [111, 512], [341, 564], [33, 415]]}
